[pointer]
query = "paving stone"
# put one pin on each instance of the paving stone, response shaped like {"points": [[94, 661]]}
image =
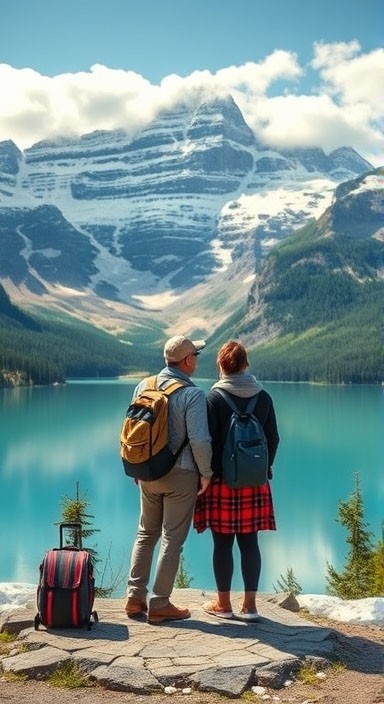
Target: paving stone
{"points": [[128, 649], [36, 664], [157, 651], [15, 620], [319, 663], [40, 639], [232, 660], [196, 650], [275, 674], [221, 656], [314, 636], [179, 675], [156, 663], [190, 661], [302, 648], [267, 652], [88, 660], [231, 681], [126, 679]]}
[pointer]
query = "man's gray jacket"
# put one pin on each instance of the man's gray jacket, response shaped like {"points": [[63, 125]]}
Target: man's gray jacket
{"points": [[187, 418]]}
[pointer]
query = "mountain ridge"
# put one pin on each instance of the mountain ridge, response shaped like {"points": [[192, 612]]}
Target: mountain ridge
{"points": [[172, 228], [171, 205]]}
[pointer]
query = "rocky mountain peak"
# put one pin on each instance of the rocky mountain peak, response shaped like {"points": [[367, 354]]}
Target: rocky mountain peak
{"points": [[141, 218]]}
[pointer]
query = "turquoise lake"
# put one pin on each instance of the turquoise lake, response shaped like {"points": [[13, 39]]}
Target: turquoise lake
{"points": [[52, 437]]}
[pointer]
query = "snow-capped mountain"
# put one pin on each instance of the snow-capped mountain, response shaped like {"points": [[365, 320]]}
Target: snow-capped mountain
{"points": [[189, 200]]}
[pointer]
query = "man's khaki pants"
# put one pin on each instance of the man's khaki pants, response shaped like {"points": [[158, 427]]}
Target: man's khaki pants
{"points": [[166, 511]]}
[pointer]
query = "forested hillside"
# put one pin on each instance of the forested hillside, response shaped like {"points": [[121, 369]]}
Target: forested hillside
{"points": [[317, 310], [47, 349]]}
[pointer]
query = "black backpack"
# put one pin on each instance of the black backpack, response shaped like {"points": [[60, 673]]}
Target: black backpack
{"points": [[245, 452]]}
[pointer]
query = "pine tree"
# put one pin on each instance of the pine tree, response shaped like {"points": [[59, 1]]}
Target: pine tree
{"points": [[75, 511], [183, 578], [355, 581], [288, 583], [378, 567]]}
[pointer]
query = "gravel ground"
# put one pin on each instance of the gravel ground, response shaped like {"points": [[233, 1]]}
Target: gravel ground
{"points": [[360, 648]]}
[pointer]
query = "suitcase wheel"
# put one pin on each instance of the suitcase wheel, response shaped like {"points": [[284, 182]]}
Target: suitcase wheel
{"points": [[95, 616], [36, 622]]}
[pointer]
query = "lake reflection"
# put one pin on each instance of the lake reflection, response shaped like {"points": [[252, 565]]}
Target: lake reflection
{"points": [[50, 438]]}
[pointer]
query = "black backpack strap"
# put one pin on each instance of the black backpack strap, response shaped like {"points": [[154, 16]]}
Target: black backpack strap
{"points": [[181, 448], [250, 405], [225, 395]]}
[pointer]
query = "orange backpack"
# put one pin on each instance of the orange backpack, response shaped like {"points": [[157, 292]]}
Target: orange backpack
{"points": [[144, 445]]}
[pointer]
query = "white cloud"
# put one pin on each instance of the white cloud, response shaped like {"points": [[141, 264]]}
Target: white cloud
{"points": [[356, 80], [39, 107], [309, 120], [345, 110], [255, 78]]}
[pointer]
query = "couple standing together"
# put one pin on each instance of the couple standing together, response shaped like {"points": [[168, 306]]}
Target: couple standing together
{"points": [[194, 487]]}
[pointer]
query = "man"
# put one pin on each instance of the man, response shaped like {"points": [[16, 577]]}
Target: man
{"points": [[167, 503]]}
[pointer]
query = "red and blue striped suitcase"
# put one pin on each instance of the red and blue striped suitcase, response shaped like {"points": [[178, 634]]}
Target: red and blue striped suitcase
{"points": [[66, 589]]}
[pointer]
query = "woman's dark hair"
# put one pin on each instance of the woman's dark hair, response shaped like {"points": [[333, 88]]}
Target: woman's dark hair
{"points": [[232, 357]]}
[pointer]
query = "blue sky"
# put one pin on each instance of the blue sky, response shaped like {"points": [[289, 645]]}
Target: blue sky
{"points": [[159, 37], [281, 50]]}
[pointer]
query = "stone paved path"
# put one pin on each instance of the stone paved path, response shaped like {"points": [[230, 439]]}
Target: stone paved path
{"points": [[203, 652]]}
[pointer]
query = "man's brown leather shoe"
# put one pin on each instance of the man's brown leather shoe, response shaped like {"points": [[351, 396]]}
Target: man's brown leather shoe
{"points": [[135, 607], [167, 613]]}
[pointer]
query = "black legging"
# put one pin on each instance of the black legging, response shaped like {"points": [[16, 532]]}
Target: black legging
{"points": [[223, 560]]}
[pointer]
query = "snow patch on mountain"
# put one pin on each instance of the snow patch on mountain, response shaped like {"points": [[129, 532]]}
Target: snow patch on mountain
{"points": [[146, 220], [371, 182]]}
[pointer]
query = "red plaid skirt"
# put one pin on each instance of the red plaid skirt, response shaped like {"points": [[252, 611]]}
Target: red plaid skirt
{"points": [[227, 510]]}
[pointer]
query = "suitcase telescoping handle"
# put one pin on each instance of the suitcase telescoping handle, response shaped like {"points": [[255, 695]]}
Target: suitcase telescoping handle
{"points": [[76, 528]]}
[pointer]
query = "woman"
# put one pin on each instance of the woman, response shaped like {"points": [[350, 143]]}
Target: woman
{"points": [[228, 512]]}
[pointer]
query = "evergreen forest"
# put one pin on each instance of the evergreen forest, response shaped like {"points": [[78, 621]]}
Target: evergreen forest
{"points": [[320, 298], [49, 349], [323, 304]]}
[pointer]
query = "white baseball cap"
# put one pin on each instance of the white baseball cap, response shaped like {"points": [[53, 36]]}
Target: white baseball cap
{"points": [[179, 347]]}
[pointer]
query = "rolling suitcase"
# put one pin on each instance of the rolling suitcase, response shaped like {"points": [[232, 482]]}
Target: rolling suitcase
{"points": [[66, 589]]}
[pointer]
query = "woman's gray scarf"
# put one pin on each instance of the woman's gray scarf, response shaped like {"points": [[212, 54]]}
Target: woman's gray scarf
{"points": [[241, 384]]}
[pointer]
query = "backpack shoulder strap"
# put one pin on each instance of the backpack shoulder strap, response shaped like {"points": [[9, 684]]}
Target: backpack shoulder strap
{"points": [[151, 383], [225, 395], [173, 386], [250, 405]]}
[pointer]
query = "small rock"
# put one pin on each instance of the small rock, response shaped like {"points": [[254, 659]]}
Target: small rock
{"points": [[276, 673], [321, 675], [170, 690], [186, 690], [285, 600], [288, 683], [258, 690]]}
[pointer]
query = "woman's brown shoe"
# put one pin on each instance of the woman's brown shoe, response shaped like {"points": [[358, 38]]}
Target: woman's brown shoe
{"points": [[248, 615], [215, 609]]}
